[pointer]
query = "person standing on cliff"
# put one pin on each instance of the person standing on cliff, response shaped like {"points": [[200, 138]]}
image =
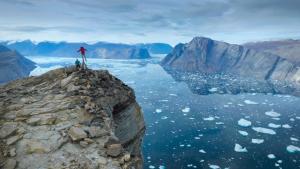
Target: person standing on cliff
{"points": [[82, 51]]}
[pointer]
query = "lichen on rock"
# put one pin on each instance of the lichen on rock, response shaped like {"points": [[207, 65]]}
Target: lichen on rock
{"points": [[70, 119]]}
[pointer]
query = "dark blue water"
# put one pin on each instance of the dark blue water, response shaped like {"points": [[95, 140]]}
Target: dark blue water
{"points": [[187, 130]]}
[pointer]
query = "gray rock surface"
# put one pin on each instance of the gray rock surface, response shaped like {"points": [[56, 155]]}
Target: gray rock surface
{"points": [[209, 56], [43, 124], [13, 65], [289, 49]]}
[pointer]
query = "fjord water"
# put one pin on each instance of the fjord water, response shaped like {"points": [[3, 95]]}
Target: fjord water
{"points": [[187, 130]]}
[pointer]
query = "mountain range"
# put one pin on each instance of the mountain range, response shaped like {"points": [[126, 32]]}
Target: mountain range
{"points": [[98, 50], [13, 65], [207, 56]]}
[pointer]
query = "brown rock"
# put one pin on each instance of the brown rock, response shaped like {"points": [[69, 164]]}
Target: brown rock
{"points": [[114, 150], [77, 133]]}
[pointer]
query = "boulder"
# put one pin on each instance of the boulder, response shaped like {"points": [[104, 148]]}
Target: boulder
{"points": [[114, 150], [77, 133]]}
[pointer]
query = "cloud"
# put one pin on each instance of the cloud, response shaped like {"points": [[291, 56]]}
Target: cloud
{"points": [[152, 20]]}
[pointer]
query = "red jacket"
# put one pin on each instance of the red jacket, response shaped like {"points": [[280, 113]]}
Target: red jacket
{"points": [[82, 50]]}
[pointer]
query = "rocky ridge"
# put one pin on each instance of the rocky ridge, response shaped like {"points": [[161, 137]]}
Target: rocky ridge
{"points": [[70, 119], [208, 56]]}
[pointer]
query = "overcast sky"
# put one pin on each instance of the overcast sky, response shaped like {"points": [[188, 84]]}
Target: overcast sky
{"points": [[135, 21]]}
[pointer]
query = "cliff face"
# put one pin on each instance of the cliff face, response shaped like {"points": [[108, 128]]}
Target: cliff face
{"points": [[70, 119], [288, 49], [13, 65], [208, 56]]}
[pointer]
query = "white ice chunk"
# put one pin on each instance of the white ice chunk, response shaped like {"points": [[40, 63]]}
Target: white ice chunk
{"points": [[210, 118], [214, 89], [202, 151], [272, 125], [272, 113], [214, 166], [292, 149], [264, 130], [286, 126], [244, 133], [161, 167], [186, 110], [271, 156], [250, 102], [257, 141], [158, 110], [244, 123], [240, 149], [164, 117], [151, 166], [294, 139]]}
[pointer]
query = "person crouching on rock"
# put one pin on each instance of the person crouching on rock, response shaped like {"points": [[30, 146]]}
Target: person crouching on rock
{"points": [[82, 52], [77, 64]]}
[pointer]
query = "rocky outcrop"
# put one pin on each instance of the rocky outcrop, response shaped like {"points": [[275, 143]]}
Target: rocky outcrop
{"points": [[103, 50], [204, 55], [70, 119], [13, 65], [288, 49]]}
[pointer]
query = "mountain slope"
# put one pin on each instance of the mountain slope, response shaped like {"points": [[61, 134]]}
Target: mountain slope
{"points": [[70, 119], [66, 49], [208, 56], [13, 65], [289, 49]]}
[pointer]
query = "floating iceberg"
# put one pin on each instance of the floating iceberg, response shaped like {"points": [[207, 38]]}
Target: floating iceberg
{"points": [[244, 133], [250, 102], [271, 156], [272, 125], [240, 149], [264, 130], [292, 149], [244, 123], [272, 113], [257, 141], [214, 166], [209, 118], [186, 110]]}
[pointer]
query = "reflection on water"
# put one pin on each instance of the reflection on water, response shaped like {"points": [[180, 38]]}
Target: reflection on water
{"points": [[187, 130]]}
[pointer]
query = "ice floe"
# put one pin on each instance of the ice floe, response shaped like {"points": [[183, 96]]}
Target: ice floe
{"points": [[210, 118], [161, 167], [271, 156], [186, 110], [292, 149], [257, 141], [202, 151], [244, 123], [158, 110], [240, 149], [244, 133], [214, 89], [294, 139], [264, 130], [272, 125], [151, 166], [250, 102], [286, 126], [164, 117], [212, 166], [272, 113]]}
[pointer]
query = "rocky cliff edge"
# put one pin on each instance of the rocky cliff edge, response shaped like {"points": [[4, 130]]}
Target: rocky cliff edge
{"points": [[70, 119]]}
